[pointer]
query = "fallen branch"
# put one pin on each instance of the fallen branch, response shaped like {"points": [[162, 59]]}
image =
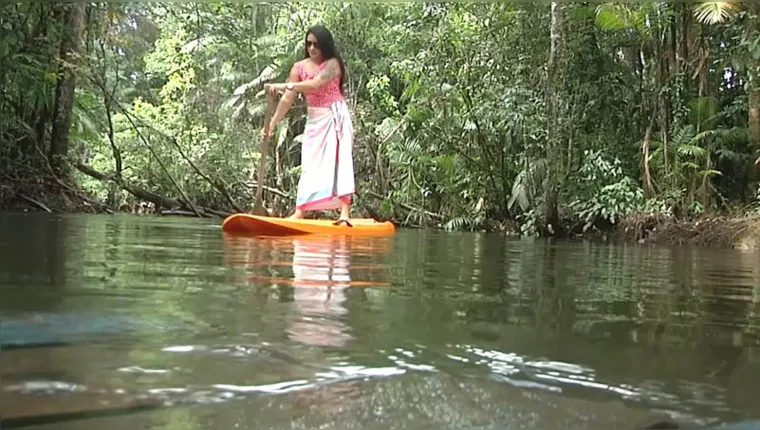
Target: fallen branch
{"points": [[83, 197], [36, 203], [142, 194], [152, 152], [217, 183], [160, 163], [172, 206], [66, 186]]}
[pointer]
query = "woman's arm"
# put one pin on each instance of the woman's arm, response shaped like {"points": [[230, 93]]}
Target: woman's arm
{"points": [[286, 102], [331, 71]]}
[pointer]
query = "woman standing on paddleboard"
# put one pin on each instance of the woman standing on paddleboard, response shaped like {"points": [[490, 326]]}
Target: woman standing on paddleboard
{"points": [[327, 167]]}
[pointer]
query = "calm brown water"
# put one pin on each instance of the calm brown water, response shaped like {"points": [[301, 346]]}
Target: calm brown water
{"points": [[125, 322]]}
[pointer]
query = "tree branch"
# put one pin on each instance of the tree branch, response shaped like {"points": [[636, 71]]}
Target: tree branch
{"points": [[217, 183], [140, 193]]}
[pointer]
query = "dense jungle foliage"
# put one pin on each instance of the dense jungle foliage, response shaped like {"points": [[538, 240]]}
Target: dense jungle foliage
{"points": [[552, 117]]}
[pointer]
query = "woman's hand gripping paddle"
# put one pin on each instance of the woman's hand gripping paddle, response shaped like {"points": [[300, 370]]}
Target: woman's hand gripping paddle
{"points": [[258, 207]]}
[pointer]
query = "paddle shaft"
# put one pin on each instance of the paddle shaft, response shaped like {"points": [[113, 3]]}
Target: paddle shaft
{"points": [[258, 207]]}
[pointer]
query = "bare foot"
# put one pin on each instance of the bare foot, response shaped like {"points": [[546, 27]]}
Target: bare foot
{"points": [[342, 220], [345, 212], [297, 215]]}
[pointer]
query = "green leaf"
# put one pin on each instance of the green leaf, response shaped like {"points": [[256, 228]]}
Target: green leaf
{"points": [[611, 17]]}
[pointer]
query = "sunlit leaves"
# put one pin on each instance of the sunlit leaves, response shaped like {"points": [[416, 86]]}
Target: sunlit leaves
{"points": [[646, 17], [614, 17], [714, 12]]}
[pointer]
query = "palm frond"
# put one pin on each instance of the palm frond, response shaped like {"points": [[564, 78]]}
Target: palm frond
{"points": [[714, 12], [704, 135], [692, 150], [613, 17], [528, 184]]}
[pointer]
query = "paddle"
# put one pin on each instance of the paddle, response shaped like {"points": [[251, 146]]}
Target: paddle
{"points": [[258, 207]]}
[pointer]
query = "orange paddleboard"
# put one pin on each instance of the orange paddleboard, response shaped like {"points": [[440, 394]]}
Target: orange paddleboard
{"points": [[255, 225]]}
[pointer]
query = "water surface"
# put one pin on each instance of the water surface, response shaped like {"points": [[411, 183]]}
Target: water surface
{"points": [[168, 323]]}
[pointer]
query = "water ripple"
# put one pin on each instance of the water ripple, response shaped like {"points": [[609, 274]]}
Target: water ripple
{"points": [[421, 329]]}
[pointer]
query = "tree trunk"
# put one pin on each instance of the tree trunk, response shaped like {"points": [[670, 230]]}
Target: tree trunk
{"points": [[73, 22], [687, 18], [753, 96], [664, 102], [553, 105], [754, 81], [648, 187], [37, 114], [672, 45], [754, 138]]}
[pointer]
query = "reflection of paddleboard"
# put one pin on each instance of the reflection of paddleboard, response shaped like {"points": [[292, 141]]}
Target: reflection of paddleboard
{"points": [[271, 226]]}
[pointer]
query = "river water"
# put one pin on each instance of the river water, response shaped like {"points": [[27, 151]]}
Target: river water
{"points": [[127, 322]]}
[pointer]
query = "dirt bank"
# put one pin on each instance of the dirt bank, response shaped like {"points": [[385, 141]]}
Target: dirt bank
{"points": [[717, 231], [45, 193], [36, 191]]}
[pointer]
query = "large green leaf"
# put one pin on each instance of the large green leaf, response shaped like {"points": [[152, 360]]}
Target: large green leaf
{"points": [[613, 17]]}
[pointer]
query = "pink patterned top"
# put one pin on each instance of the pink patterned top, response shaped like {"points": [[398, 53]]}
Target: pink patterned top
{"points": [[322, 97]]}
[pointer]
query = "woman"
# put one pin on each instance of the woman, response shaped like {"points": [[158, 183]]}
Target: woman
{"points": [[327, 175]]}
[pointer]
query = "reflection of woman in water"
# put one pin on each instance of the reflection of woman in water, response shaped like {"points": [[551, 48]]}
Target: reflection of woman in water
{"points": [[320, 277]]}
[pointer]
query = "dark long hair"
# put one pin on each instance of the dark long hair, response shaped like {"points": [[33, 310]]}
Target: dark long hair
{"points": [[327, 46]]}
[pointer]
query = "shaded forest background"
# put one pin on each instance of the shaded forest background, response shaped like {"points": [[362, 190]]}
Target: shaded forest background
{"points": [[546, 118]]}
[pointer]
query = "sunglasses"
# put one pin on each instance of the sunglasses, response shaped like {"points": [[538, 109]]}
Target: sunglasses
{"points": [[310, 44]]}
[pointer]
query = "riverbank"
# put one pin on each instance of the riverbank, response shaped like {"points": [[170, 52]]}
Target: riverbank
{"points": [[46, 193], [741, 231], [736, 231]]}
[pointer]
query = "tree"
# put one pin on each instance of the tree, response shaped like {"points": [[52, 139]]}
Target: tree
{"points": [[72, 27]]}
